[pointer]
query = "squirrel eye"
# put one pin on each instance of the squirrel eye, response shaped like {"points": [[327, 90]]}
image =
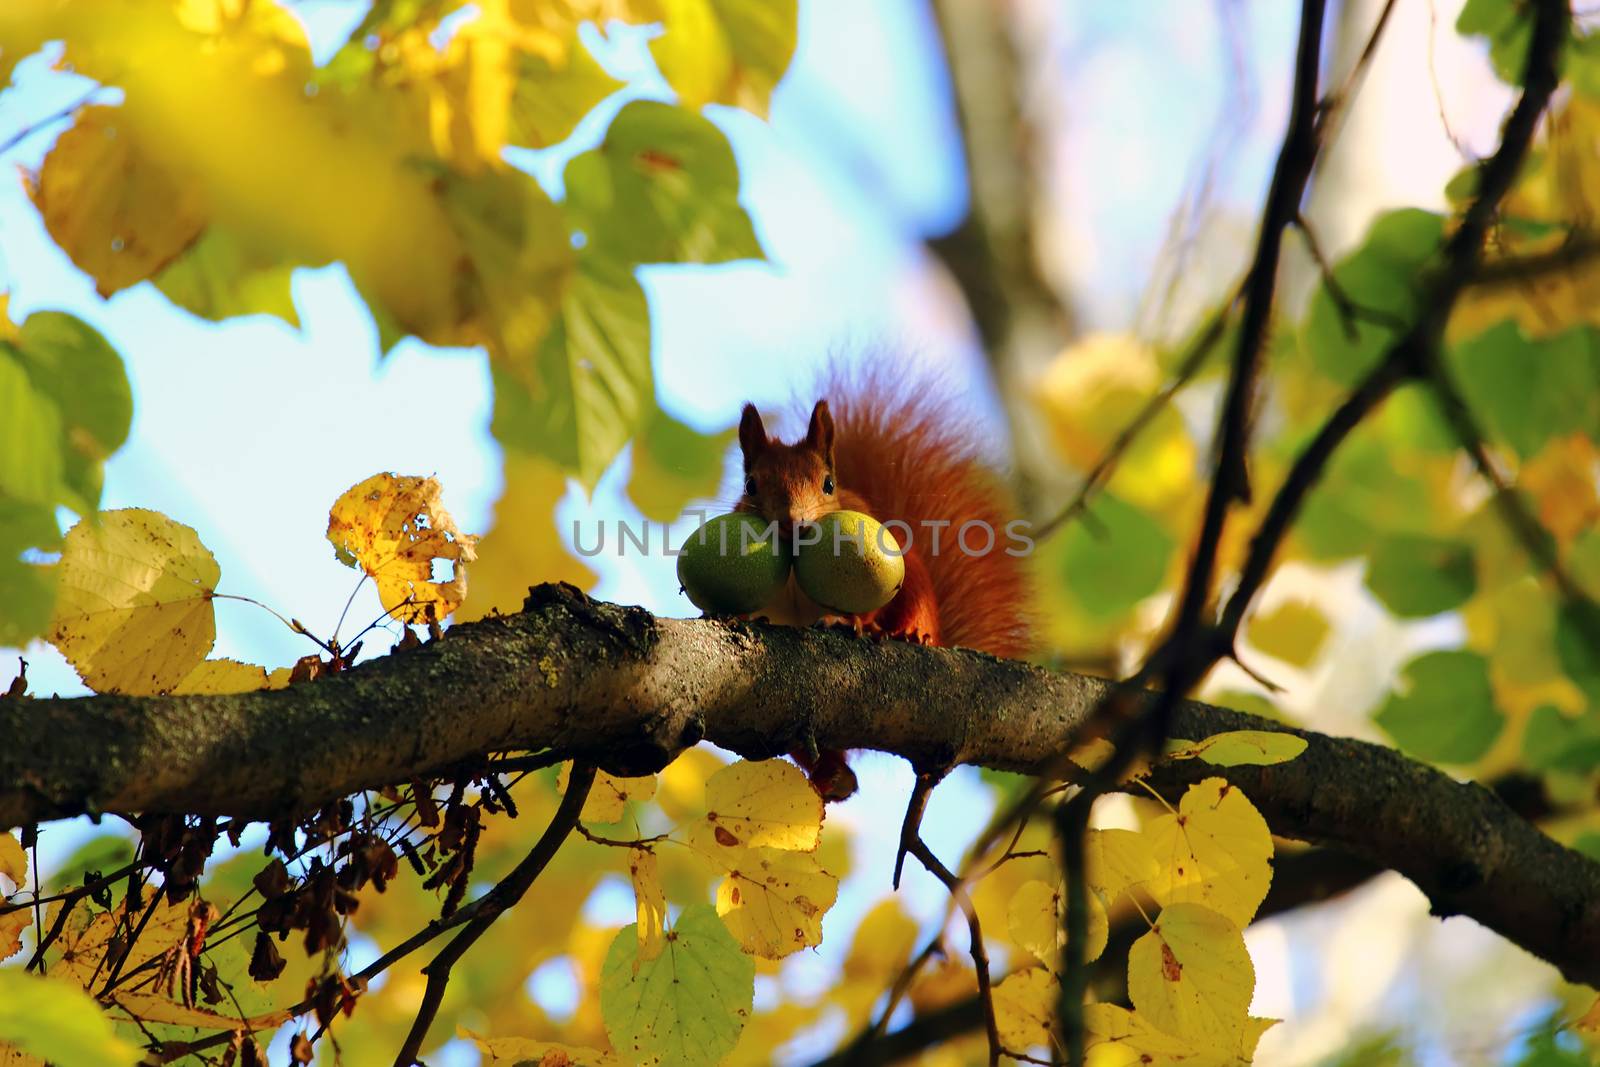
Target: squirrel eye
{"points": [[750, 485], [827, 484]]}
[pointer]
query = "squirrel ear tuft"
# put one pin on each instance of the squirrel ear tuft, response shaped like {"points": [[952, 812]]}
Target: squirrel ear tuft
{"points": [[820, 433], [752, 434]]}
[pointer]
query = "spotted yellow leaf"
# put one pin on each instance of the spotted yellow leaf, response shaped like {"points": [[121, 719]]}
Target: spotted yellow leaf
{"points": [[394, 528], [765, 804], [1216, 851], [13, 860], [1025, 1009], [12, 923], [1035, 921], [215, 676], [112, 205], [609, 795], [1118, 1037], [134, 611], [1238, 748], [521, 1051], [1192, 978], [773, 900], [1117, 860], [87, 935], [652, 903]]}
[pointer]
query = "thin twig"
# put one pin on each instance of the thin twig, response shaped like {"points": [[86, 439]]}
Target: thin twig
{"points": [[49, 120], [980, 957], [505, 894], [1194, 358]]}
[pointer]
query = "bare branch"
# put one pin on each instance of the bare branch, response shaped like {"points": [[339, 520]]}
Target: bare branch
{"points": [[504, 895]]}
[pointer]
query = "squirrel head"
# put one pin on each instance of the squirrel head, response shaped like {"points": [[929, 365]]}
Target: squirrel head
{"points": [[788, 483]]}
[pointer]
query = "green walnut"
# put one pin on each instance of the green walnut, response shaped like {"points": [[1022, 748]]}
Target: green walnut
{"points": [[733, 565], [854, 567]]}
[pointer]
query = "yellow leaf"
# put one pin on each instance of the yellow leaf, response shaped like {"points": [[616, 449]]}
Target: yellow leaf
{"points": [[1118, 1037], [11, 926], [1090, 393], [1117, 860], [1025, 1009], [112, 205], [1215, 851], [1035, 921], [1561, 480], [1093, 753], [1192, 978], [134, 612], [1589, 1024], [1293, 632], [881, 946], [215, 676], [524, 546], [522, 1051], [725, 51], [652, 903], [87, 934], [773, 900], [155, 1008], [13, 860], [683, 783], [609, 796], [1236, 748], [770, 803], [393, 528]]}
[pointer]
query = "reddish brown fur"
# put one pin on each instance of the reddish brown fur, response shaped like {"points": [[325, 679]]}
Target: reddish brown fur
{"points": [[900, 452]]}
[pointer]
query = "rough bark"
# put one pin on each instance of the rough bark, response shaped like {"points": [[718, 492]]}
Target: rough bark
{"points": [[628, 691]]}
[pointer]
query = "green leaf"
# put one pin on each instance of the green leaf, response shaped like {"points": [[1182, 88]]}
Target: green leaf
{"points": [[588, 389], [68, 361], [1240, 748], [1529, 391], [1447, 713], [550, 99], [1582, 60], [27, 590], [726, 51], [1363, 497], [1294, 632], [1578, 647], [1416, 577], [1508, 29], [31, 465], [1554, 742], [219, 278], [58, 1022], [1382, 281], [104, 852], [521, 253], [674, 464], [662, 188], [685, 1007], [1114, 560]]}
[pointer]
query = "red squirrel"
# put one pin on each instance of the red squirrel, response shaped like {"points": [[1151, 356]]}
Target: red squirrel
{"points": [[896, 452]]}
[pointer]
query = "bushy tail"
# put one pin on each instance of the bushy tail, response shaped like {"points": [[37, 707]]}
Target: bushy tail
{"points": [[902, 442]]}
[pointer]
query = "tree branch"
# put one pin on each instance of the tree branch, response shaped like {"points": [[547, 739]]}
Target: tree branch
{"points": [[629, 691], [506, 893]]}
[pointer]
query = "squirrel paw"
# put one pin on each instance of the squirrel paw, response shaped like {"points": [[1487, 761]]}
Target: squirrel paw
{"points": [[914, 635]]}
